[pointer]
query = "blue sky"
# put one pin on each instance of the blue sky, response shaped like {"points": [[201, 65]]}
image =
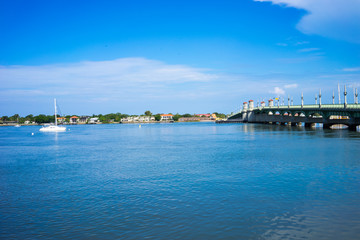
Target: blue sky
{"points": [[173, 56]]}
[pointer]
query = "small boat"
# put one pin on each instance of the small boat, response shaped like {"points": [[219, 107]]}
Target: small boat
{"points": [[51, 127], [17, 125]]}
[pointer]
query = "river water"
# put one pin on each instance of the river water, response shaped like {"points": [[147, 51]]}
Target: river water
{"points": [[179, 181]]}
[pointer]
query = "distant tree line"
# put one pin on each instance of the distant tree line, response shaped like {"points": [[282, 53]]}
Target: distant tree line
{"points": [[106, 118]]}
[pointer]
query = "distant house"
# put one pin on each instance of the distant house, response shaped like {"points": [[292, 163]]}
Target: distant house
{"points": [[190, 119], [166, 117], [128, 119], [74, 120], [84, 119], [94, 120], [61, 120], [138, 119], [203, 115]]}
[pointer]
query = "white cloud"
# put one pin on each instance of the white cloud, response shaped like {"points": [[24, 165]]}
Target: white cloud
{"points": [[337, 19], [277, 91], [126, 76], [294, 85]]}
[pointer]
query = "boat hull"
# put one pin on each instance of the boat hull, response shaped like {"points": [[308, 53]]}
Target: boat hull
{"points": [[52, 129]]}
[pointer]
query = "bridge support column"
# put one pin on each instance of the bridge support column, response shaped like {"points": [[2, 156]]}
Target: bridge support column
{"points": [[327, 126], [309, 124], [293, 124], [282, 124], [352, 127]]}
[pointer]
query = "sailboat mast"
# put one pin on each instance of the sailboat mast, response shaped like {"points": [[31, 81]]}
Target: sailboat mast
{"points": [[55, 112]]}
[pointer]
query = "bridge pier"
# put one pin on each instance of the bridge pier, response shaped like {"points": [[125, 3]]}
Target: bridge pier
{"points": [[310, 125], [327, 126], [352, 127]]}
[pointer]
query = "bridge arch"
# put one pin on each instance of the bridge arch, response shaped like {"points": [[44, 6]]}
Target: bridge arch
{"points": [[316, 114]]}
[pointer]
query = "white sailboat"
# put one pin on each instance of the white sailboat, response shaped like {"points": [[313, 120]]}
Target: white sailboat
{"points": [[53, 128]]}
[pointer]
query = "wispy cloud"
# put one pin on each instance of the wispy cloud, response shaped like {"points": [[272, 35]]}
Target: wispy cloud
{"points": [[337, 19], [356, 69], [294, 85], [304, 50], [126, 76]]}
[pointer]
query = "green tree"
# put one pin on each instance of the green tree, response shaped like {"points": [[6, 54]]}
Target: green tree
{"points": [[176, 117], [148, 113], [157, 117], [220, 115], [42, 118], [187, 115], [14, 117], [30, 117]]}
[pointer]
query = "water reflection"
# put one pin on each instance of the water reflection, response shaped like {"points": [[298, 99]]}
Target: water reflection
{"points": [[181, 181]]}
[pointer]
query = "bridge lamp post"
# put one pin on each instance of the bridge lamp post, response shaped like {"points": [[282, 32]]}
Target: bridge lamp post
{"points": [[292, 101], [356, 96], [288, 101], [315, 99], [333, 98], [345, 93], [320, 98], [302, 100]]}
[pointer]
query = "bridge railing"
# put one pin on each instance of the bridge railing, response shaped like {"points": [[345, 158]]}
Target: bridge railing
{"points": [[311, 106]]}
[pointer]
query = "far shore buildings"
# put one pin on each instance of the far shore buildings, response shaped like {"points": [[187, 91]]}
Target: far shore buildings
{"points": [[61, 120], [84, 119], [199, 118], [74, 120], [138, 119], [94, 120], [166, 117]]}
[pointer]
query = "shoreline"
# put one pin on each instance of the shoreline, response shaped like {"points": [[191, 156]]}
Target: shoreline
{"points": [[13, 125]]}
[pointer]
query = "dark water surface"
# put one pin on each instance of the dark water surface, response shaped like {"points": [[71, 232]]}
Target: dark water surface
{"points": [[179, 181]]}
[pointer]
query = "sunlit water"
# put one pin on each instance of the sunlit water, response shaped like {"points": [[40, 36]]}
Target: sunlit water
{"points": [[179, 181]]}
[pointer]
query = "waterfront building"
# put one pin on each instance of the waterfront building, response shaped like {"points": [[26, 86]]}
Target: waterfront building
{"points": [[84, 119], [166, 117], [94, 120], [74, 120], [61, 120]]}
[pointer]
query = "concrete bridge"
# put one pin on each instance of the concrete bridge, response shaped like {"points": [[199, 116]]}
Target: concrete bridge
{"points": [[298, 115]]}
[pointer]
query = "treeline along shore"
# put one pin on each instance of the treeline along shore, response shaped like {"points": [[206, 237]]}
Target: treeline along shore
{"points": [[147, 117]]}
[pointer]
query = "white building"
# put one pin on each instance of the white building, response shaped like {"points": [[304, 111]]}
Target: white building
{"points": [[166, 117]]}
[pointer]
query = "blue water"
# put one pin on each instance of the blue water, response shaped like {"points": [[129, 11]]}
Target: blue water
{"points": [[179, 181]]}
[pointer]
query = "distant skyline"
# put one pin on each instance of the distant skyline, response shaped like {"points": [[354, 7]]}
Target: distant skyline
{"points": [[100, 57]]}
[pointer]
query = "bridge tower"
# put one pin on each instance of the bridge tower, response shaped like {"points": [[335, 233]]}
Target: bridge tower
{"points": [[271, 103], [356, 96], [333, 97], [262, 104], [315, 99], [320, 98], [251, 104], [245, 106]]}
